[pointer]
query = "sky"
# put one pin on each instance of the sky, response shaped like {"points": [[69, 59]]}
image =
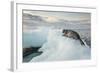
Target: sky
{"points": [[52, 16], [36, 18]]}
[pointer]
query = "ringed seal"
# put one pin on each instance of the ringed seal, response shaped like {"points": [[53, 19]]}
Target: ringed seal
{"points": [[72, 34]]}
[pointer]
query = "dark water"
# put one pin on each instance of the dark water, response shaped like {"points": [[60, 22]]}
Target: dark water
{"points": [[29, 57]]}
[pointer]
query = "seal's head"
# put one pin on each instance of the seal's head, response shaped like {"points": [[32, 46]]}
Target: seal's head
{"points": [[72, 34]]}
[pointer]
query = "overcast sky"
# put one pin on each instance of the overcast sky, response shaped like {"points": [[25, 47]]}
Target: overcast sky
{"points": [[51, 16]]}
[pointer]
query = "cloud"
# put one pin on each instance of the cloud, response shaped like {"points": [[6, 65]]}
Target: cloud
{"points": [[33, 19], [61, 14]]}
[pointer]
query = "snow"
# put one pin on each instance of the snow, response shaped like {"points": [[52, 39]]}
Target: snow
{"points": [[59, 48]]}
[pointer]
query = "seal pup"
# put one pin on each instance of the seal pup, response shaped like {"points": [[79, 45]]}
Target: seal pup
{"points": [[72, 34]]}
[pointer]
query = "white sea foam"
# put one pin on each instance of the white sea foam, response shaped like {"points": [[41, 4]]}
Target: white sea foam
{"points": [[60, 48]]}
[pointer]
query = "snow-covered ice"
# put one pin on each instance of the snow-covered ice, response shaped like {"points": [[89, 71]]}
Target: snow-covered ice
{"points": [[59, 48]]}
